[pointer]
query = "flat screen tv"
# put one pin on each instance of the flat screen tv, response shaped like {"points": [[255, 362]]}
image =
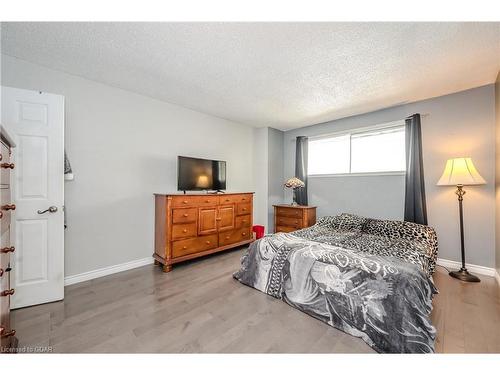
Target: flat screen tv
{"points": [[200, 174]]}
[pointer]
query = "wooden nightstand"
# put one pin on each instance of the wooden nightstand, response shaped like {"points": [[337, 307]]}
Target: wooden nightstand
{"points": [[288, 218]]}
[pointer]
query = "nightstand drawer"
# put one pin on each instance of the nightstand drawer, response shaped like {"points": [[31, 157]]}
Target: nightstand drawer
{"points": [[284, 229], [289, 222], [289, 212], [288, 218]]}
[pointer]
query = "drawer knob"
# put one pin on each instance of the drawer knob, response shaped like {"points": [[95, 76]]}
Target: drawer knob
{"points": [[184, 247], [185, 202], [185, 215], [243, 234], [243, 221], [227, 199], [7, 292], [227, 237], [184, 231], [4, 333], [5, 250], [9, 207], [244, 208], [7, 165], [243, 199], [207, 242], [207, 201]]}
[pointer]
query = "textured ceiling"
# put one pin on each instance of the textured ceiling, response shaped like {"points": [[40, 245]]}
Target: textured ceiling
{"points": [[283, 75]]}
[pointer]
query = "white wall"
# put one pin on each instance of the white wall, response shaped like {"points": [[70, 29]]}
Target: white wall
{"points": [[123, 148], [460, 124]]}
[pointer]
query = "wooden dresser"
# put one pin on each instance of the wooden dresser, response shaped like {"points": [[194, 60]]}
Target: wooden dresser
{"points": [[192, 225], [288, 218], [8, 341]]}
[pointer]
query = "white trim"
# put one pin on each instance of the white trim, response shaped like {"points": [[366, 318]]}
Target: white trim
{"points": [[453, 266], [70, 280], [497, 277], [362, 129], [363, 174]]}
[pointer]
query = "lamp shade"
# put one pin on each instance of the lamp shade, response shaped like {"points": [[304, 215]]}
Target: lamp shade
{"points": [[460, 171], [294, 183]]}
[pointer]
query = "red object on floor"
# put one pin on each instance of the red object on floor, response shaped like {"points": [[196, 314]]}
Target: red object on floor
{"points": [[259, 231]]}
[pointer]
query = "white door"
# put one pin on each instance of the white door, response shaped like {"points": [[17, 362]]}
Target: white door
{"points": [[36, 121]]}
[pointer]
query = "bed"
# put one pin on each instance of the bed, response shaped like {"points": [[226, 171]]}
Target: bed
{"points": [[369, 278]]}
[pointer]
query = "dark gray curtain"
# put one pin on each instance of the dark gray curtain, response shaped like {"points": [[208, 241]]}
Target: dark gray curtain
{"points": [[301, 169], [415, 206]]}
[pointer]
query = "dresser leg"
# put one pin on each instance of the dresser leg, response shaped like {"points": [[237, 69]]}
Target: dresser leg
{"points": [[157, 263], [167, 267]]}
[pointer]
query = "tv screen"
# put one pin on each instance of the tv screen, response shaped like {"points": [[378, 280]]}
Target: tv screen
{"points": [[200, 174]]}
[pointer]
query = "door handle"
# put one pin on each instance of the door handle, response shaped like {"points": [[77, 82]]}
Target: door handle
{"points": [[51, 209]]}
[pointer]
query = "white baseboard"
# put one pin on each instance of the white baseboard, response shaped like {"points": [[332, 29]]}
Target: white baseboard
{"points": [[453, 265], [70, 280]]}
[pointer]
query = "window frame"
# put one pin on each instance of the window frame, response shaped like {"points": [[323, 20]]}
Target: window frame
{"points": [[350, 132]]}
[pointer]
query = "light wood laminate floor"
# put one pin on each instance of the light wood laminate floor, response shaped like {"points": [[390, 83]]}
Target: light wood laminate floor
{"points": [[200, 308]]}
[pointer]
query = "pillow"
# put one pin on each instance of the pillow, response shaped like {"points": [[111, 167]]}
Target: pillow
{"points": [[344, 222], [392, 229]]}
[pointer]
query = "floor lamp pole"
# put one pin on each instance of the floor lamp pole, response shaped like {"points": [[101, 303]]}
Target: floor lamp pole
{"points": [[462, 274]]}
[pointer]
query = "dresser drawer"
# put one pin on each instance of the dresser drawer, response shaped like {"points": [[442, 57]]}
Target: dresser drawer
{"points": [[234, 236], [243, 221], [5, 166], [228, 199], [289, 212], [184, 230], [194, 201], [184, 215], [5, 199], [243, 208], [193, 245], [289, 222], [5, 243]]}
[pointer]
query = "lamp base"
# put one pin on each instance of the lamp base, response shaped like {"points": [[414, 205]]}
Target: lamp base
{"points": [[464, 275]]}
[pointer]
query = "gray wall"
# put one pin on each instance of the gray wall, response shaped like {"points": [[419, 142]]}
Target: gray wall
{"points": [[260, 171], [268, 174], [460, 124], [275, 174], [123, 148], [497, 172]]}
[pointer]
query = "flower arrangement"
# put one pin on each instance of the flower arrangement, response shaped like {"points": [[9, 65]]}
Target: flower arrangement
{"points": [[294, 183]]}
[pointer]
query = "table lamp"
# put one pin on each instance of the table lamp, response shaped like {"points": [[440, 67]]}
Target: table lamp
{"points": [[294, 183], [459, 172]]}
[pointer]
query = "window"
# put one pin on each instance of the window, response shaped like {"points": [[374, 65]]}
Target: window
{"points": [[370, 151]]}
